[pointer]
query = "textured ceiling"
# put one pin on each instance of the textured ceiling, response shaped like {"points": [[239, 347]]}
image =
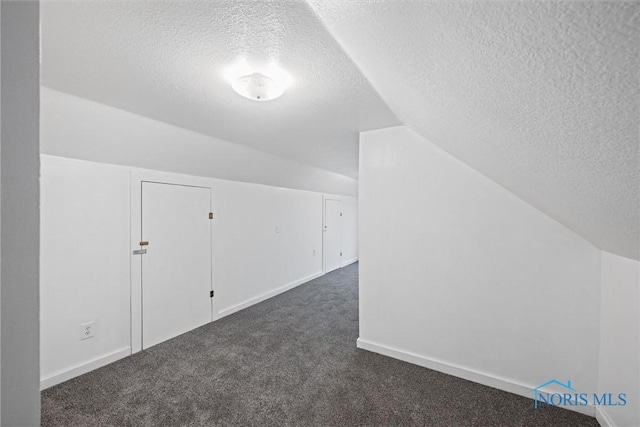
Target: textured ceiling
{"points": [[542, 97], [166, 60]]}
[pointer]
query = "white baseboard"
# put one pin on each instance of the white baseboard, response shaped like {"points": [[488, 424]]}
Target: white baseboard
{"points": [[66, 374], [603, 419], [266, 296], [462, 372], [349, 262]]}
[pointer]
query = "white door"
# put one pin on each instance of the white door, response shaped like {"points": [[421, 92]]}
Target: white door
{"points": [[332, 235], [176, 270]]}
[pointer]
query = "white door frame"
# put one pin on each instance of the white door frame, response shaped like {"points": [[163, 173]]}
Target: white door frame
{"points": [[324, 224], [137, 178]]}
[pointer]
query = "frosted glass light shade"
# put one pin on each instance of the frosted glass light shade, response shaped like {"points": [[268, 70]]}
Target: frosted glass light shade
{"points": [[258, 87]]}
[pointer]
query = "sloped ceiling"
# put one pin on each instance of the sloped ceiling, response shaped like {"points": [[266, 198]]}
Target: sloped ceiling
{"points": [[542, 97], [166, 60]]}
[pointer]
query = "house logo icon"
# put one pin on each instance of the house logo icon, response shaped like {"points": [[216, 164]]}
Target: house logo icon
{"points": [[538, 391], [567, 396]]}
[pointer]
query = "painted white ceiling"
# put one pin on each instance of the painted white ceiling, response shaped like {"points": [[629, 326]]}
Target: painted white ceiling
{"points": [[542, 97], [165, 60]]}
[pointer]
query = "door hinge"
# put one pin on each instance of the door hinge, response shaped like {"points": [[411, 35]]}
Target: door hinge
{"points": [[210, 294], [210, 215], [144, 243]]}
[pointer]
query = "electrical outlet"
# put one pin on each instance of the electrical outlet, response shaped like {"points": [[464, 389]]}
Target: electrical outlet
{"points": [[314, 251], [277, 229], [87, 330]]}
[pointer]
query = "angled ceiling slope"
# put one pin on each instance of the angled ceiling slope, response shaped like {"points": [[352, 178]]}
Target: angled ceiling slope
{"points": [[542, 97], [166, 60]]}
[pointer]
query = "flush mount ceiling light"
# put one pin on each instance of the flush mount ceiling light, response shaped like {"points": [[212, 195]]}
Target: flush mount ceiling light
{"points": [[258, 82], [258, 87]]}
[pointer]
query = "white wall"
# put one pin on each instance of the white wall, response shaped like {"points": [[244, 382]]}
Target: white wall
{"points": [[620, 338], [458, 274], [86, 261], [253, 259], [349, 230], [78, 128], [20, 213], [0, 227]]}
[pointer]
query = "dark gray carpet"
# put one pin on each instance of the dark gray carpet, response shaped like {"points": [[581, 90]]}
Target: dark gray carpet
{"points": [[290, 360]]}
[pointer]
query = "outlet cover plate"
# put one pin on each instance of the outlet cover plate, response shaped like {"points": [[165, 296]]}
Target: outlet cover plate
{"points": [[87, 330]]}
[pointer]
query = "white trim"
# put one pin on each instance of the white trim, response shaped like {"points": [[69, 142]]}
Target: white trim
{"points": [[66, 374], [138, 177], [603, 419], [462, 372], [324, 229], [349, 262], [267, 295]]}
